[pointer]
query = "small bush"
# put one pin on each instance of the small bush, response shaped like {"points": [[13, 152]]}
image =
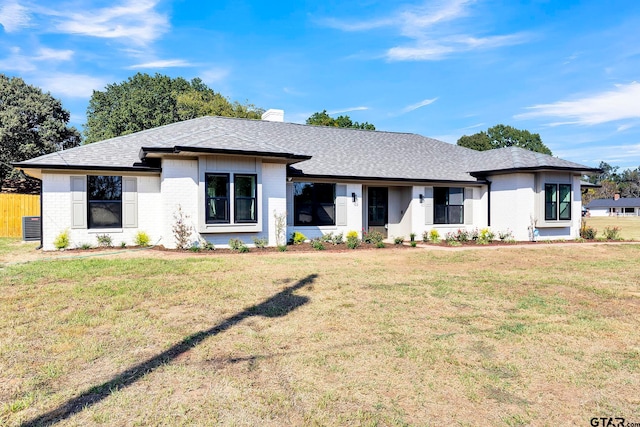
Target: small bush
{"points": [[485, 236], [352, 240], [505, 235], [195, 247], [123, 244], [412, 237], [317, 245], [432, 236], [380, 245], [142, 239], [398, 240], [181, 228], [297, 238], [338, 239], [260, 242], [282, 248], [104, 240], [85, 246], [587, 232], [413, 243], [63, 240], [243, 248], [373, 237], [235, 244], [612, 233]]}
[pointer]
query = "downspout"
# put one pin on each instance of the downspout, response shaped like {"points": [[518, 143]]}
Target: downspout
{"points": [[488, 203], [41, 212]]}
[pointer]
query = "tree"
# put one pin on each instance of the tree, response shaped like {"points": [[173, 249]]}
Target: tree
{"points": [[324, 119], [500, 136], [32, 123], [143, 102]]}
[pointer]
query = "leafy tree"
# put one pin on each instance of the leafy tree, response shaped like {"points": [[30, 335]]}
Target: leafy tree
{"points": [[32, 123], [324, 119], [500, 136], [143, 102]]}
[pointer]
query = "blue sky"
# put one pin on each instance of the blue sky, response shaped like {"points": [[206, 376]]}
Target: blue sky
{"points": [[568, 70]]}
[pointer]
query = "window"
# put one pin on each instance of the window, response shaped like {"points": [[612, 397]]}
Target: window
{"points": [[104, 198], [557, 202], [448, 205], [314, 203], [217, 198], [245, 198]]}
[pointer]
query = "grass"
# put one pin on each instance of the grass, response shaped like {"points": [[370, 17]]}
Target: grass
{"points": [[629, 226], [355, 338]]}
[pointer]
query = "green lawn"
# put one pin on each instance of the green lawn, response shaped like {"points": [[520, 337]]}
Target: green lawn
{"points": [[629, 226], [512, 336]]}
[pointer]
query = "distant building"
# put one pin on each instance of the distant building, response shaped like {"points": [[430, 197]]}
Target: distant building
{"points": [[617, 206]]}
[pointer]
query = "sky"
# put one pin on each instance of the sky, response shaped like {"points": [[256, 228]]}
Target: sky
{"points": [[568, 70]]}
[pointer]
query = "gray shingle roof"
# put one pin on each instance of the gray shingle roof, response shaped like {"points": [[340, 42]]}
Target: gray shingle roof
{"points": [[333, 151], [623, 202]]}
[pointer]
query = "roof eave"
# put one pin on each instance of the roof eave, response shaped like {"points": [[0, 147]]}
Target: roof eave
{"points": [[484, 173], [378, 178], [178, 149]]}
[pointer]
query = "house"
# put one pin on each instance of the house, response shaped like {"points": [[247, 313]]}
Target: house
{"points": [[234, 178], [616, 206]]}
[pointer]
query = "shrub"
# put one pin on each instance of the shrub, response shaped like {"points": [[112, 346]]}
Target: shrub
{"points": [[204, 244], [372, 237], [398, 240], [104, 240], [243, 248], [352, 239], [181, 228], [142, 239], [587, 232], [505, 235], [282, 248], [62, 240], [612, 233], [434, 236], [317, 245], [235, 244], [260, 242], [281, 227], [337, 239], [413, 243], [380, 245], [485, 236], [85, 246], [412, 237], [123, 244], [297, 238]]}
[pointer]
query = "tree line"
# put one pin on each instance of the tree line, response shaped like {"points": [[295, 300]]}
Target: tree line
{"points": [[613, 181]]}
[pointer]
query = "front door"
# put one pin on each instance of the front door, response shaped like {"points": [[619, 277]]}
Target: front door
{"points": [[378, 204]]}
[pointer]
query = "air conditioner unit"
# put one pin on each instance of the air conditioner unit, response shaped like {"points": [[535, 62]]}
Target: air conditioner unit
{"points": [[30, 228]]}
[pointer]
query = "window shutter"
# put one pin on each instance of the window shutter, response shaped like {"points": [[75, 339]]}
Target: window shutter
{"points": [[428, 205], [290, 212], [468, 205], [78, 202], [341, 204], [129, 202]]}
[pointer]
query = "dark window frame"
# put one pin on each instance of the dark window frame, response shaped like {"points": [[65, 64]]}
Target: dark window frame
{"points": [[448, 208], [207, 199], [314, 206], [106, 200], [253, 198], [556, 208]]}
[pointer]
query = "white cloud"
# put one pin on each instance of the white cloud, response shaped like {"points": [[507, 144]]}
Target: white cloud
{"points": [[419, 105], [214, 75], [347, 110], [134, 20], [13, 16], [167, 63], [622, 103], [72, 85], [46, 54], [431, 38]]}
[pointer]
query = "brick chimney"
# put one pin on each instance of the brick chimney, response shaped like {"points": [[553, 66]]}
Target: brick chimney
{"points": [[272, 115], [616, 196]]}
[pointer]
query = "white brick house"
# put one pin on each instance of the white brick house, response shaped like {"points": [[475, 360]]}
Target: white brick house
{"points": [[233, 177]]}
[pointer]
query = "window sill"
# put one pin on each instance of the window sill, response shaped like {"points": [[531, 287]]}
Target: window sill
{"points": [[104, 230], [231, 228], [555, 224]]}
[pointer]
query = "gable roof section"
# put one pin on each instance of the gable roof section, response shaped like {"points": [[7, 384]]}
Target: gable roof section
{"points": [[316, 151], [623, 202], [513, 159]]}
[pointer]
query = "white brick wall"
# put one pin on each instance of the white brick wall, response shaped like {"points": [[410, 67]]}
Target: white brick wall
{"points": [[56, 216], [178, 188]]}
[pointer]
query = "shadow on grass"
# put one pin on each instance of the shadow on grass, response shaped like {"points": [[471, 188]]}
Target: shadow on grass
{"points": [[278, 305]]}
